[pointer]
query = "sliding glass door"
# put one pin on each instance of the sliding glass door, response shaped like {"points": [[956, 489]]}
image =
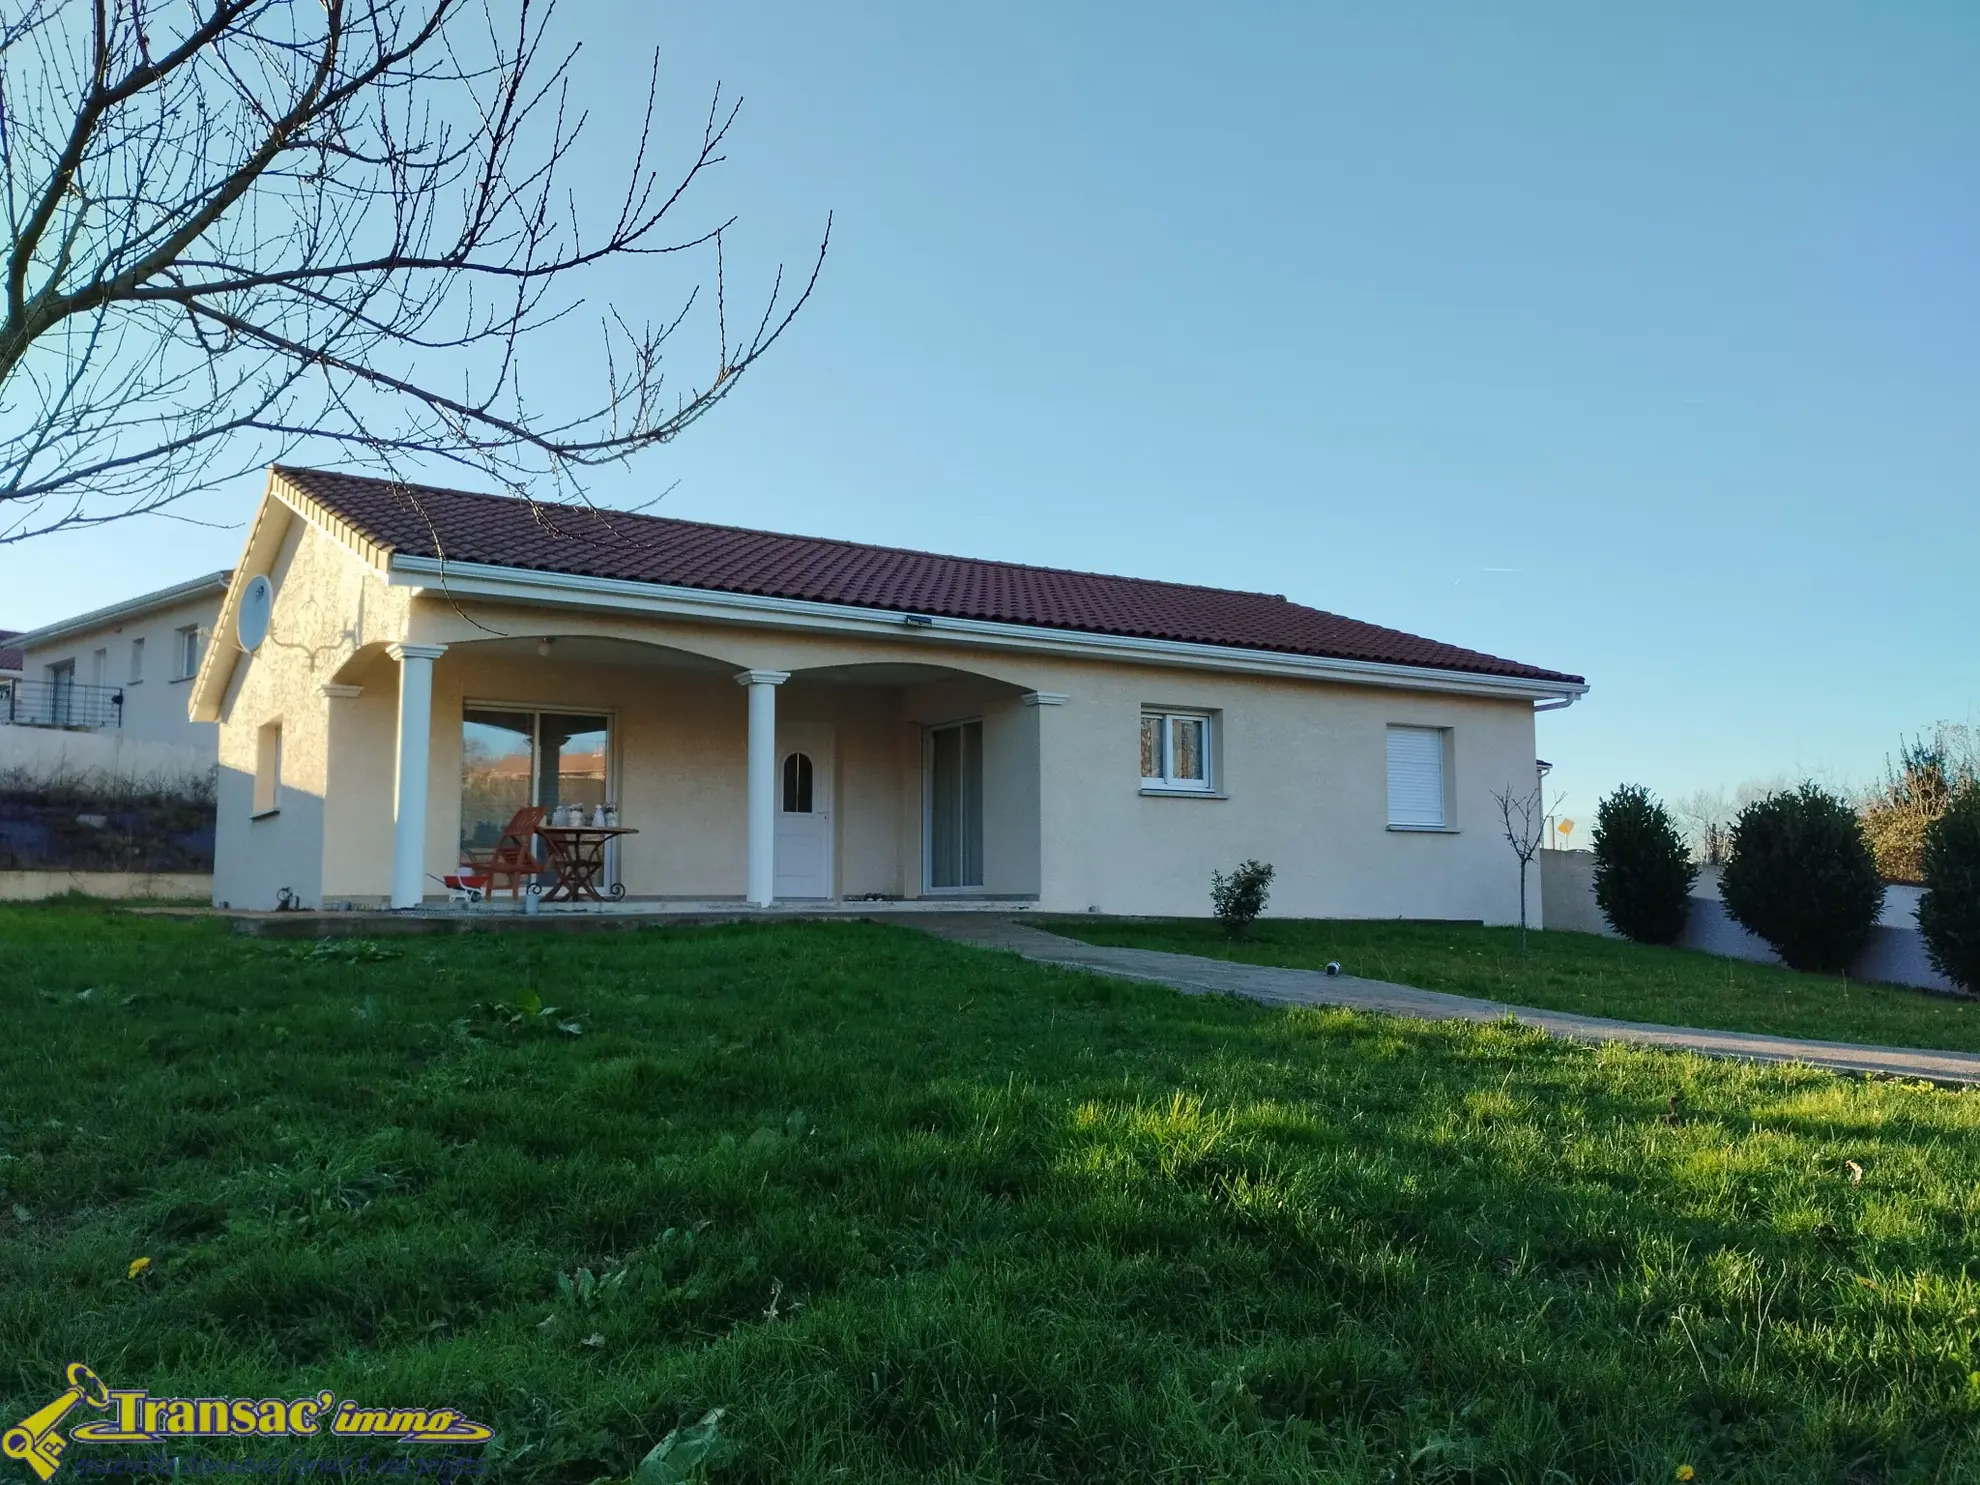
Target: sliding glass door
{"points": [[498, 752], [953, 802], [511, 759]]}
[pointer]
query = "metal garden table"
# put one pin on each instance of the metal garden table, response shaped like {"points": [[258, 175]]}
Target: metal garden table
{"points": [[577, 856]]}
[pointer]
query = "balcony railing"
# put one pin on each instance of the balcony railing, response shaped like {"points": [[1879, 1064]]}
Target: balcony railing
{"points": [[60, 704]]}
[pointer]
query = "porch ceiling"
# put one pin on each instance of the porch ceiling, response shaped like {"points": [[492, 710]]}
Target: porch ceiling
{"points": [[893, 675], [589, 650]]}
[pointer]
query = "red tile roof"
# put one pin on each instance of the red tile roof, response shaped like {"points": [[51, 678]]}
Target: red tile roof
{"points": [[11, 658], [506, 531]]}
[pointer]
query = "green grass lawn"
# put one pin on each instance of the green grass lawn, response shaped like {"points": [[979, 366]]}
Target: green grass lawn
{"points": [[913, 1212], [1571, 972]]}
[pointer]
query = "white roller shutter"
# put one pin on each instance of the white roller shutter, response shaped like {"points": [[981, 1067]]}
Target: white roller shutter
{"points": [[1416, 777]]}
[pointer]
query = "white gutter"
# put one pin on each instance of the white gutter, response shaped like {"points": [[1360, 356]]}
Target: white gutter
{"points": [[524, 585], [130, 608]]}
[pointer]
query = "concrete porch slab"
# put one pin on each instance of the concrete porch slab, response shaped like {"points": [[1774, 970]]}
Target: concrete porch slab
{"points": [[503, 916]]}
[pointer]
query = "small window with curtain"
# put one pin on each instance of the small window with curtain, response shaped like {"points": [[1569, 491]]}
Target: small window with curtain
{"points": [[1175, 751], [1418, 796], [797, 784], [268, 769]]}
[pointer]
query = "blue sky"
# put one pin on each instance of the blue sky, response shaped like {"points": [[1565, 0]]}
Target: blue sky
{"points": [[1645, 345]]}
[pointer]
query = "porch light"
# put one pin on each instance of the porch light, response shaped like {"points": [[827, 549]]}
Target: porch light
{"points": [[543, 647]]}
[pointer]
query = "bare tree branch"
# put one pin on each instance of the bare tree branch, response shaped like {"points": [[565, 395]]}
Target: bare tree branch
{"points": [[242, 227]]}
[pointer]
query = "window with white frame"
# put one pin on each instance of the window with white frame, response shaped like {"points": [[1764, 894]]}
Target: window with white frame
{"points": [[268, 769], [188, 642], [1175, 751], [1419, 798], [137, 660]]}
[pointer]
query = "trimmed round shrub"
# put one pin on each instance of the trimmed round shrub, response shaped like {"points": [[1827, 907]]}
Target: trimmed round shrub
{"points": [[1643, 873], [1949, 910], [1802, 877]]}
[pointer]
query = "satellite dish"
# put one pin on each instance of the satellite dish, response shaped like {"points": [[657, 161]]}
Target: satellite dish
{"points": [[256, 608]]}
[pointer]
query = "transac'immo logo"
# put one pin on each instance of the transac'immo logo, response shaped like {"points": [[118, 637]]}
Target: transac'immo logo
{"points": [[136, 1417]]}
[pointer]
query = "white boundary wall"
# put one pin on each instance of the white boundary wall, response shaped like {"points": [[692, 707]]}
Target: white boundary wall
{"points": [[48, 752], [32, 886], [1895, 954]]}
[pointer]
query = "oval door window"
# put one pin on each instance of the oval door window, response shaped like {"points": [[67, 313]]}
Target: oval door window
{"points": [[797, 784]]}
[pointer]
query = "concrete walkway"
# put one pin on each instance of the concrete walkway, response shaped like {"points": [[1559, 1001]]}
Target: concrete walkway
{"points": [[1194, 975]]}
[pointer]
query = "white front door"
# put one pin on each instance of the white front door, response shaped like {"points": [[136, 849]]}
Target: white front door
{"points": [[804, 811]]}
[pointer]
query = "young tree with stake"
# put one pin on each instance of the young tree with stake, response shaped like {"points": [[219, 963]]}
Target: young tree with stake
{"points": [[1525, 819]]}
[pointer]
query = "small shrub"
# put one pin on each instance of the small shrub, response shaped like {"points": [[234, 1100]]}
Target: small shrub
{"points": [[1239, 898], [1643, 873], [1802, 877], [1949, 911], [526, 1012]]}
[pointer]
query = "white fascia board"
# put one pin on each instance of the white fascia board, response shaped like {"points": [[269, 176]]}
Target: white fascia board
{"points": [[118, 613], [217, 663], [570, 590]]}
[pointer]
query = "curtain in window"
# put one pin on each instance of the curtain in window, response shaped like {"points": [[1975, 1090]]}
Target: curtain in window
{"points": [[1186, 759], [955, 806]]}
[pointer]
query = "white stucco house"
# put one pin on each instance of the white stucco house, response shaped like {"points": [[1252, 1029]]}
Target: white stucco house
{"points": [[124, 673], [790, 718]]}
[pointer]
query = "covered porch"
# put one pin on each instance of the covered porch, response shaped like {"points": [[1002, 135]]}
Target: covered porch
{"points": [[805, 786]]}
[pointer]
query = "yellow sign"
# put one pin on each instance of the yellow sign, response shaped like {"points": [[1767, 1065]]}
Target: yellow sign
{"points": [[136, 1417]]}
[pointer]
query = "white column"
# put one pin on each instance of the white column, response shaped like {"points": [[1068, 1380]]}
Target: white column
{"points": [[415, 745], [762, 686], [1048, 815]]}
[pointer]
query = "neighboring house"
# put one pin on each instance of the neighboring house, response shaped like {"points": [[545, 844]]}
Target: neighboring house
{"points": [[127, 669], [784, 717], [10, 668]]}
